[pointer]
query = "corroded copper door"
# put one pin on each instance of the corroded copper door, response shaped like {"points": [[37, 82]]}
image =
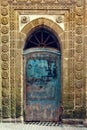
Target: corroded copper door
{"points": [[42, 84]]}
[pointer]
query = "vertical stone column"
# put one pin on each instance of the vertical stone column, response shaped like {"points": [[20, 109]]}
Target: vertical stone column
{"points": [[19, 73], [13, 34], [79, 83], [6, 105], [85, 45], [68, 90]]}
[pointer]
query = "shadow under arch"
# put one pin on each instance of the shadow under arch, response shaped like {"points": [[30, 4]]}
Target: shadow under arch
{"points": [[51, 25]]}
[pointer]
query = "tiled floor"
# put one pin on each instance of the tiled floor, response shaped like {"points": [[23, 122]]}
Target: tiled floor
{"points": [[39, 126]]}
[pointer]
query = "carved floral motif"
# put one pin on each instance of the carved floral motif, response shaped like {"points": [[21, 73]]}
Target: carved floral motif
{"points": [[79, 66], [4, 66], [4, 11], [78, 75], [4, 74], [79, 20], [79, 48], [79, 30], [59, 19], [4, 57], [4, 30], [5, 83], [4, 2], [4, 20], [79, 11], [79, 2], [24, 19], [79, 57], [5, 48], [4, 39], [79, 39]]}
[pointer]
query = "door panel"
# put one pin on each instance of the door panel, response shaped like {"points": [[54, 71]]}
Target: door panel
{"points": [[43, 86]]}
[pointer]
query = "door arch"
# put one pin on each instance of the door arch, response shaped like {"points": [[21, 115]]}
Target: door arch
{"points": [[42, 68]]}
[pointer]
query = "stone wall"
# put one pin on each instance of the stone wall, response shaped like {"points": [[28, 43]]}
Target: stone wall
{"points": [[68, 19]]}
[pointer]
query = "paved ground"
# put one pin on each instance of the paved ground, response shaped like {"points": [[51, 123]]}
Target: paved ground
{"points": [[21, 126]]}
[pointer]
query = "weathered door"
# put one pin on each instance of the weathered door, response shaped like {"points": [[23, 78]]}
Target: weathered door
{"points": [[43, 84]]}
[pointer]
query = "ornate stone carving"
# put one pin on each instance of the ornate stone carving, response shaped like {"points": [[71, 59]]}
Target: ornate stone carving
{"points": [[79, 57], [12, 26], [78, 100], [79, 3], [4, 30], [79, 39], [5, 83], [4, 2], [4, 11], [79, 11], [24, 19], [12, 53], [78, 84], [4, 65], [4, 39], [71, 52], [78, 75], [79, 66], [5, 48], [79, 21], [5, 93], [79, 30], [59, 19], [79, 48], [4, 20], [4, 74], [71, 83], [4, 57]]}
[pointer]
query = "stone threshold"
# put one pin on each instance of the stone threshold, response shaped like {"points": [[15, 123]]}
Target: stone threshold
{"points": [[73, 121], [65, 121]]}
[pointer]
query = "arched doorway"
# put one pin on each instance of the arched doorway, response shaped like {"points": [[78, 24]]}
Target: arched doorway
{"points": [[42, 72]]}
